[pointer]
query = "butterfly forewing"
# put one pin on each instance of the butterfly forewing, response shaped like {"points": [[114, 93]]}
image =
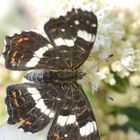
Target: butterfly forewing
{"points": [[26, 51], [73, 36], [71, 40]]}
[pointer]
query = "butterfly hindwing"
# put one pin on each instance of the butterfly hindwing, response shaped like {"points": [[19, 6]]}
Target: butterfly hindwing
{"points": [[33, 105], [75, 120]]}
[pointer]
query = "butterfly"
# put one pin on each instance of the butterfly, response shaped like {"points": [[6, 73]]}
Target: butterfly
{"points": [[53, 94]]}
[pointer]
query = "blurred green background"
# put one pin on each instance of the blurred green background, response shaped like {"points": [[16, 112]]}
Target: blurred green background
{"points": [[118, 119]]}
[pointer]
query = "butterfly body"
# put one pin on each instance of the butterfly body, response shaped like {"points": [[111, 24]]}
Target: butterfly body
{"points": [[61, 76]]}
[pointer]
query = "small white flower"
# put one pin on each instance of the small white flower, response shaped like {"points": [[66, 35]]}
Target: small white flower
{"points": [[116, 66], [132, 134], [107, 30], [108, 77], [135, 79], [129, 59], [121, 119], [100, 75]]}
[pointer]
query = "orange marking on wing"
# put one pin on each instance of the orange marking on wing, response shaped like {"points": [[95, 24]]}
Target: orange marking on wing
{"points": [[12, 61], [22, 39], [22, 120], [19, 40], [25, 38], [13, 57], [15, 100], [14, 54], [56, 136], [28, 123], [53, 29]]}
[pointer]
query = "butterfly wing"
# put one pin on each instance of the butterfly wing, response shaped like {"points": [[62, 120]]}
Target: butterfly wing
{"points": [[73, 35], [75, 120], [71, 38], [33, 106], [30, 50]]}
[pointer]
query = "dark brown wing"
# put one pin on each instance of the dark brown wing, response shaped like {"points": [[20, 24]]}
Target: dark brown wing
{"points": [[75, 120], [73, 35], [71, 40], [30, 50], [33, 105]]}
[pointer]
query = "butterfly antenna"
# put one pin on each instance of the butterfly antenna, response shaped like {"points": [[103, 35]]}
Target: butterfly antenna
{"points": [[102, 92], [99, 62]]}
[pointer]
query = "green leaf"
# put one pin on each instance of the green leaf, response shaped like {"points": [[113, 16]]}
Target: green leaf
{"points": [[121, 84], [132, 112], [129, 125]]}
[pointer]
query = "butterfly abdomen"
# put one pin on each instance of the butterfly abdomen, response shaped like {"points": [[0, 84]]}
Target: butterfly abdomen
{"points": [[45, 76]]}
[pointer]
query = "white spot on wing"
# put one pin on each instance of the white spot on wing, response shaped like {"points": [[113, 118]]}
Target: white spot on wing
{"points": [[87, 129], [51, 115], [66, 120], [32, 90], [71, 119], [38, 55], [69, 42], [94, 25], [41, 51], [32, 62], [35, 93], [4, 49], [58, 99], [86, 36], [83, 131], [76, 22], [40, 102], [62, 120], [66, 135], [47, 111], [87, 21], [94, 126], [57, 57], [36, 96], [60, 42], [63, 30], [50, 46]]}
